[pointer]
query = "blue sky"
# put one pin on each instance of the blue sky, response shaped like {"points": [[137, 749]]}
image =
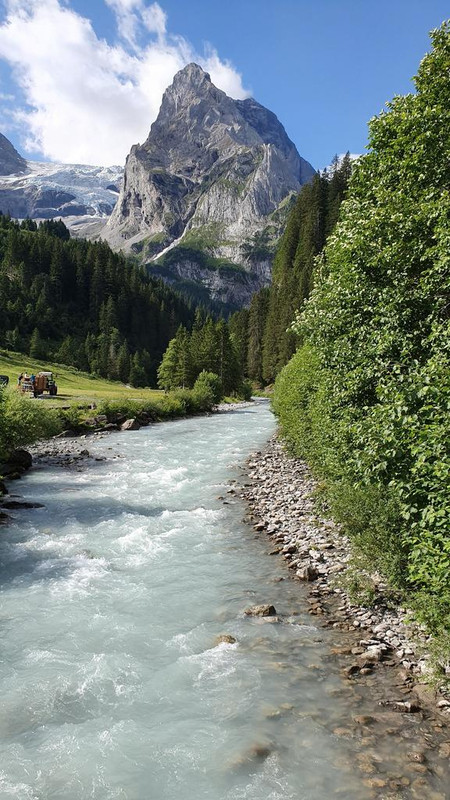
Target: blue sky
{"points": [[81, 80]]}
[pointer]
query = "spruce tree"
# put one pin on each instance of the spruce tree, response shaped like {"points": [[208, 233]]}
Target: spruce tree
{"points": [[167, 370]]}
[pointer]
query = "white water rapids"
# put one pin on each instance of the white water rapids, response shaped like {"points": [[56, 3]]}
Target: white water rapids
{"points": [[112, 597]]}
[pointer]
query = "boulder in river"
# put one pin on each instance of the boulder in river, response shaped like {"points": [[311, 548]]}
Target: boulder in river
{"points": [[224, 638], [261, 611], [21, 504], [130, 425], [18, 462]]}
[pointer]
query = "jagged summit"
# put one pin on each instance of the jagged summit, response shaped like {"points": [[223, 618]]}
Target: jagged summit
{"points": [[208, 160], [192, 74]]}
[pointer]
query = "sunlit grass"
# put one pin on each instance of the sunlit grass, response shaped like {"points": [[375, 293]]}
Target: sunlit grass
{"points": [[73, 385]]}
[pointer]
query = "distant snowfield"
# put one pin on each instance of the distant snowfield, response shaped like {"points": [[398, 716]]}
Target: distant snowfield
{"points": [[93, 190]]}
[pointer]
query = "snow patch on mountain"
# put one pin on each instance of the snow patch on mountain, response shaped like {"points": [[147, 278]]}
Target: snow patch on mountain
{"points": [[78, 193]]}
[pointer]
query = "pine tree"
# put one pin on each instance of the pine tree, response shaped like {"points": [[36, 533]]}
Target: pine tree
{"points": [[257, 320], [67, 353], [123, 363], [227, 366], [169, 365], [137, 371], [184, 372], [37, 347], [238, 326]]}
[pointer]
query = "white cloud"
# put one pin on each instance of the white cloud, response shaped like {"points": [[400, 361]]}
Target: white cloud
{"points": [[134, 17], [88, 100]]}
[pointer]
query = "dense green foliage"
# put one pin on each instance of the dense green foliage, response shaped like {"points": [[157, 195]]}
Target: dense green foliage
{"points": [[366, 399], [268, 337], [23, 422], [208, 348], [81, 304]]}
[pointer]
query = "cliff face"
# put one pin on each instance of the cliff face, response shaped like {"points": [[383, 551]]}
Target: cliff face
{"points": [[10, 160], [210, 178]]}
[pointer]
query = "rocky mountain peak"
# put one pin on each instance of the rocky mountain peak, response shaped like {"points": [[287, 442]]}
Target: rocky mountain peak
{"points": [[192, 75], [11, 162], [211, 175]]}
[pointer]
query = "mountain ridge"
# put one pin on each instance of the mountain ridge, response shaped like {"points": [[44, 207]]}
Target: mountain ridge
{"points": [[211, 175]]}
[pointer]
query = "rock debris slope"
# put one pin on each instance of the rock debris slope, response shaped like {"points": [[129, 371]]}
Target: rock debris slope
{"points": [[212, 176]]}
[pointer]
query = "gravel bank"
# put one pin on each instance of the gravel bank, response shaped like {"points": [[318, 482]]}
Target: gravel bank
{"points": [[317, 555]]}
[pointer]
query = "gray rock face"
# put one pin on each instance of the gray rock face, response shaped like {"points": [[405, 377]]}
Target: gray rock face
{"points": [[10, 160], [211, 174]]}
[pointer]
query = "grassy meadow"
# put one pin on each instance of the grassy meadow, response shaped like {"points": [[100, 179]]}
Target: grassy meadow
{"points": [[73, 386]]}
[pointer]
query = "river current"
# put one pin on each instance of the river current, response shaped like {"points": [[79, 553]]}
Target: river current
{"points": [[113, 595]]}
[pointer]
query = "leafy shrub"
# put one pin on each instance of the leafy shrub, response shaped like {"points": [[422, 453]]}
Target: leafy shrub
{"points": [[71, 418], [23, 421], [208, 388], [366, 399]]}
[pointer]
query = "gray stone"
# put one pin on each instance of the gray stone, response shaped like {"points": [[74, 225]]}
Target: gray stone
{"points": [[307, 573], [21, 458], [261, 611], [130, 425]]}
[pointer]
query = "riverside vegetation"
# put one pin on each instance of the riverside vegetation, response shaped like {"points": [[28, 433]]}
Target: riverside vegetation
{"points": [[366, 398], [24, 421]]}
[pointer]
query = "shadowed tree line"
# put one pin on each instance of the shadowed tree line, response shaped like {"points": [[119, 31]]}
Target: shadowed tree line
{"points": [[79, 303], [262, 335]]}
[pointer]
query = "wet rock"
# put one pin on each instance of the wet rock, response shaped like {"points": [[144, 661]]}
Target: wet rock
{"points": [[111, 426], [416, 757], [3, 489], [67, 434], [375, 783], [444, 750], [307, 573], [261, 611], [10, 504], [224, 638], [405, 707], [352, 670], [130, 425], [260, 752], [342, 732], [21, 459]]}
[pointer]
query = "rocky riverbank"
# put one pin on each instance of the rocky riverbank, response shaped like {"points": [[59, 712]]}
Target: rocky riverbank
{"points": [[318, 555], [400, 735]]}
